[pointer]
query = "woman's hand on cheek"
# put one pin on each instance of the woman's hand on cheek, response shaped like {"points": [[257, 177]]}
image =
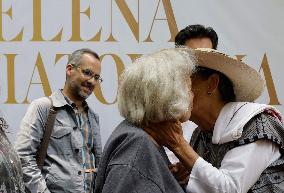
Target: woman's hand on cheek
{"points": [[168, 133]]}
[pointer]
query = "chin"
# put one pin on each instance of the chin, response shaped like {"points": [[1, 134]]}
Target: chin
{"points": [[83, 95], [184, 119]]}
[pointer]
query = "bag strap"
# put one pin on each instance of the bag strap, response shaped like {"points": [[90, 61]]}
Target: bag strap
{"points": [[41, 153]]}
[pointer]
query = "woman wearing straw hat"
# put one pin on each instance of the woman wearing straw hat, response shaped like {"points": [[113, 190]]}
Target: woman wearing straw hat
{"points": [[155, 88], [238, 145]]}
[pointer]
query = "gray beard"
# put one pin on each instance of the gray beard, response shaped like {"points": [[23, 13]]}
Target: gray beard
{"points": [[76, 90]]}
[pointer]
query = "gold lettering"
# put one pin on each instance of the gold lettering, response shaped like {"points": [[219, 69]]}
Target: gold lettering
{"points": [[170, 18], [11, 99], [76, 13], [119, 70], [133, 57], [18, 37], [111, 38], [59, 56], [97, 37], [76, 21], [37, 33], [9, 13], [269, 81], [132, 23], [43, 77], [58, 37]]}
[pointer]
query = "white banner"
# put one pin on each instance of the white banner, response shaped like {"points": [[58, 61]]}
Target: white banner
{"points": [[37, 35]]}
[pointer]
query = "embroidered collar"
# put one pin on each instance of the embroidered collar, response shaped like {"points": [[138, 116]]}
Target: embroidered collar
{"points": [[233, 117]]}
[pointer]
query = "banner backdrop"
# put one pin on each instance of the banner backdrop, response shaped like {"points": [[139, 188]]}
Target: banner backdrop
{"points": [[36, 37]]}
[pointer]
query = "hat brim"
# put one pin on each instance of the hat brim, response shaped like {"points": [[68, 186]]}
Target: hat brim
{"points": [[247, 82]]}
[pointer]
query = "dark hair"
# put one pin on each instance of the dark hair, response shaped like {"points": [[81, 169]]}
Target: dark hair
{"points": [[196, 31], [225, 85]]}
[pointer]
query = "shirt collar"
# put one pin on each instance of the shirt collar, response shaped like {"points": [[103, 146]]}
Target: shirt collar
{"points": [[233, 117], [60, 100]]}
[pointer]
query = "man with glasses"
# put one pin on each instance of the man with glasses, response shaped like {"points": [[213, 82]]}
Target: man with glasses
{"points": [[74, 149]]}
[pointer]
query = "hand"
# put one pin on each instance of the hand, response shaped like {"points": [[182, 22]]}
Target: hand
{"points": [[180, 173], [168, 133]]}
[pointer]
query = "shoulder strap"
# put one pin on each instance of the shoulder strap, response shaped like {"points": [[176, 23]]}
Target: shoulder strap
{"points": [[41, 154]]}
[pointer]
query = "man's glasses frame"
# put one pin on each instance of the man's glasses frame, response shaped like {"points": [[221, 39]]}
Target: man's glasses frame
{"points": [[89, 74]]}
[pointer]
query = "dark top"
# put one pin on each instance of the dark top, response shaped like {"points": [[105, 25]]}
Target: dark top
{"points": [[10, 166], [131, 163]]}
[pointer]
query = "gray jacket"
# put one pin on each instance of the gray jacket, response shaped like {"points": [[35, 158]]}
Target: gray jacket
{"points": [[62, 167], [132, 163]]}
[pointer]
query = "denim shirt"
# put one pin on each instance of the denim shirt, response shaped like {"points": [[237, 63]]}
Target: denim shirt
{"points": [[62, 170]]}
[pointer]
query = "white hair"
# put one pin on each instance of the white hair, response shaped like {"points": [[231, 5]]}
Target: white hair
{"points": [[155, 87]]}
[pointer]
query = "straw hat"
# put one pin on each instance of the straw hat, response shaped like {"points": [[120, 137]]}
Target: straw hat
{"points": [[247, 82]]}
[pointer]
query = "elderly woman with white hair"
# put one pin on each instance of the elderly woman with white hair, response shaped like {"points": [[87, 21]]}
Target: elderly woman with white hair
{"points": [[154, 89]]}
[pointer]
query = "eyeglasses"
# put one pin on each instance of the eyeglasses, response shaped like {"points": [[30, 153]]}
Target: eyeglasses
{"points": [[89, 74]]}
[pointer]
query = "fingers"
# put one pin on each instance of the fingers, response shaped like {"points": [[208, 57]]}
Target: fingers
{"points": [[166, 133], [149, 131], [180, 173], [182, 176], [152, 135], [184, 181], [173, 168]]}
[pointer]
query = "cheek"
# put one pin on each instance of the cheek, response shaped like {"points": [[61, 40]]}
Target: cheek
{"points": [[191, 98], [187, 114], [79, 79], [194, 96], [195, 99], [195, 103]]}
